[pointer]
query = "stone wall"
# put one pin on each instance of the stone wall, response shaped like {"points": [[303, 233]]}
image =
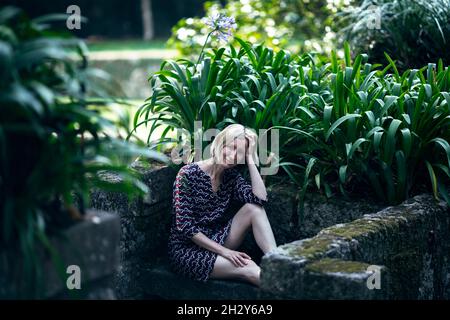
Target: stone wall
{"points": [[409, 244], [324, 254], [145, 224], [92, 245], [129, 72]]}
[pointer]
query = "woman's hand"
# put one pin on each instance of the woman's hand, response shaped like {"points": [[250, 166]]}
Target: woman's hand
{"points": [[239, 259]]}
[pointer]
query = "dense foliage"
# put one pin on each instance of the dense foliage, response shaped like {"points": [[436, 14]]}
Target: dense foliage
{"points": [[346, 125], [278, 23], [53, 142], [415, 32]]}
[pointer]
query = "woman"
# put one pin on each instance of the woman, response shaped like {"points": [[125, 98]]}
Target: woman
{"points": [[202, 241]]}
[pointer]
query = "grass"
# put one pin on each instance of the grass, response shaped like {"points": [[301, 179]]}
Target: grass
{"points": [[130, 49], [129, 44]]}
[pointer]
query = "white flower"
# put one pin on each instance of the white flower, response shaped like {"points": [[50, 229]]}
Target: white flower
{"points": [[183, 33]]}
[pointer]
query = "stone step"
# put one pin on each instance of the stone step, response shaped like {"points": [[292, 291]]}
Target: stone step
{"points": [[160, 282]]}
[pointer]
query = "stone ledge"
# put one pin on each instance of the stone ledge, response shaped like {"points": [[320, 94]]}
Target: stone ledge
{"points": [[394, 236], [292, 269], [341, 279], [91, 244], [160, 282]]}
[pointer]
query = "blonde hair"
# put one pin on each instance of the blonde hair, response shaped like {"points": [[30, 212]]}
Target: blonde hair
{"points": [[227, 135]]}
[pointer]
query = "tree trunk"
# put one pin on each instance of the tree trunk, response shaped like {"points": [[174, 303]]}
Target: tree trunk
{"points": [[147, 19]]}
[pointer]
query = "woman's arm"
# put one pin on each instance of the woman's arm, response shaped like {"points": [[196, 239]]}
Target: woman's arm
{"points": [[236, 257], [258, 187]]}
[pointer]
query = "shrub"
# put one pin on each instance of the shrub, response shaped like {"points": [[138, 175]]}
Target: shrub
{"points": [[253, 85], [277, 23], [373, 132], [53, 142], [347, 126], [415, 32]]}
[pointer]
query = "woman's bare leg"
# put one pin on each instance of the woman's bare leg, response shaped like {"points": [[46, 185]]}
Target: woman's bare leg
{"points": [[255, 216], [249, 215], [225, 269]]}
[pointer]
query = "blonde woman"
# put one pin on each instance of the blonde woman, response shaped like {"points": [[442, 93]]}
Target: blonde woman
{"points": [[202, 242]]}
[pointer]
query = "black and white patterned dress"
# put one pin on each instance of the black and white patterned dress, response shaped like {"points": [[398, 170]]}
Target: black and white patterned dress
{"points": [[197, 208]]}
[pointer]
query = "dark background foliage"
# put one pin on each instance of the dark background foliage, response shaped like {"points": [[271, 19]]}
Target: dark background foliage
{"points": [[116, 18]]}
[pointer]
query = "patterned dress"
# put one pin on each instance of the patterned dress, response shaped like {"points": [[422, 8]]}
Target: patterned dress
{"points": [[197, 208]]}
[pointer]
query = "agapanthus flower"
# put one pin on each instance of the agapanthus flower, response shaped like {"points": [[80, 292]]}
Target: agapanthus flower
{"points": [[222, 26]]}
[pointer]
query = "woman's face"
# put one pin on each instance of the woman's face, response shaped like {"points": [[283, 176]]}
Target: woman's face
{"points": [[234, 152]]}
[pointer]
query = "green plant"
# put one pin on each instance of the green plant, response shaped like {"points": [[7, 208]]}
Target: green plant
{"points": [[54, 145], [254, 86], [373, 132], [415, 32], [286, 24], [346, 126]]}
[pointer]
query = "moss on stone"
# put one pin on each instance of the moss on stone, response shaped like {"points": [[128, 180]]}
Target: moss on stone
{"points": [[311, 248], [328, 265], [361, 227], [316, 247], [146, 166]]}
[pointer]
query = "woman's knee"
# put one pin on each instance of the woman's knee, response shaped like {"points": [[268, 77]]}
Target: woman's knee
{"points": [[255, 210], [249, 272], [225, 269]]}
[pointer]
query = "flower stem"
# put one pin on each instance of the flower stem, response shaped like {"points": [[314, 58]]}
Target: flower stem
{"points": [[201, 52]]}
